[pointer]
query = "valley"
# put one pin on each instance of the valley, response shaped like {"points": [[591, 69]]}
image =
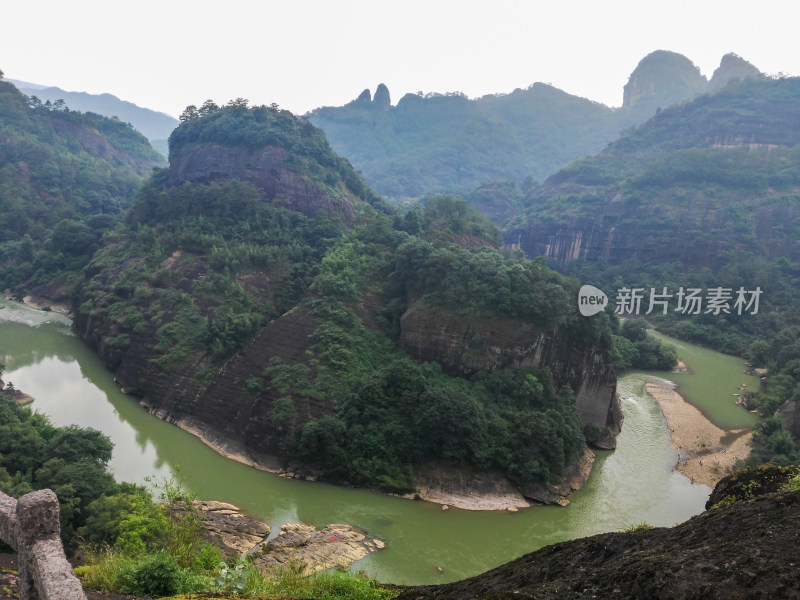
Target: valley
{"points": [[369, 315], [71, 386]]}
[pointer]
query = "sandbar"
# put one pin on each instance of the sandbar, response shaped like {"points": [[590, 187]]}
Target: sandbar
{"points": [[706, 453]]}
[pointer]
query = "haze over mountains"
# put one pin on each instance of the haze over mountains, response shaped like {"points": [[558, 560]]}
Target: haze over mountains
{"points": [[155, 126], [431, 143], [448, 143]]}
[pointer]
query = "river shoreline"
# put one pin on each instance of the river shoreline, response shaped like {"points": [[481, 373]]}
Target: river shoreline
{"points": [[706, 453], [461, 489]]}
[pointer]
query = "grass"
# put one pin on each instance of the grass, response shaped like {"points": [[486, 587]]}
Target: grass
{"points": [[109, 569]]}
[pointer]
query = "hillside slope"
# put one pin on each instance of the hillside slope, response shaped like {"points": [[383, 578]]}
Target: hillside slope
{"points": [[721, 173], [65, 178], [260, 297], [704, 198], [155, 126], [431, 143]]}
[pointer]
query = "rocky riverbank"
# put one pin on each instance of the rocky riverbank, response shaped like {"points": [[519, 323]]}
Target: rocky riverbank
{"points": [[706, 453], [298, 545]]}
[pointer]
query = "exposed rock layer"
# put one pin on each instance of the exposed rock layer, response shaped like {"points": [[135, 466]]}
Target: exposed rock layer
{"points": [[465, 346], [265, 167]]}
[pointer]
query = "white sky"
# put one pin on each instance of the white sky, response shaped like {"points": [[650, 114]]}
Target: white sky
{"points": [[303, 54]]}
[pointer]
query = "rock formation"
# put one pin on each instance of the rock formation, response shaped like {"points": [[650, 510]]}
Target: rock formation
{"points": [[661, 79], [431, 333], [732, 67], [264, 166], [382, 99]]}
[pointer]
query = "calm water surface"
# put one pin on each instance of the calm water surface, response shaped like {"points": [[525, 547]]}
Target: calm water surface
{"points": [[631, 485]]}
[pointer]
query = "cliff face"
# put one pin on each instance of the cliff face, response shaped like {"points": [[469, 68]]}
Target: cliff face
{"points": [[464, 346], [647, 234], [265, 167]]}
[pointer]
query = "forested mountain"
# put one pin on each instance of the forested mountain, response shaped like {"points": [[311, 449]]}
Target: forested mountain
{"points": [[260, 296], [65, 177], [155, 126], [448, 143], [705, 195]]}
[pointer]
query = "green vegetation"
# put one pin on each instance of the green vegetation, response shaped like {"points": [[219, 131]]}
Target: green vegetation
{"points": [[437, 143], [393, 413], [201, 268], [69, 460], [136, 541], [308, 151], [633, 348], [65, 179]]}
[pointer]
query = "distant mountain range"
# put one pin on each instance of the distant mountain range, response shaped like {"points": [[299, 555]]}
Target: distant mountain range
{"points": [[449, 143], [436, 143], [155, 126]]}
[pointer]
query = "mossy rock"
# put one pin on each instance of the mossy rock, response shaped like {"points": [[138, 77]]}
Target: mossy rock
{"points": [[750, 484]]}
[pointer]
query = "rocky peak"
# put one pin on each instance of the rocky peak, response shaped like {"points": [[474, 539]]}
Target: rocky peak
{"points": [[732, 67], [382, 99], [660, 79], [365, 97]]}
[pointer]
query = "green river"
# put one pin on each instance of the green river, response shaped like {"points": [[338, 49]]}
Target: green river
{"points": [[633, 484]]}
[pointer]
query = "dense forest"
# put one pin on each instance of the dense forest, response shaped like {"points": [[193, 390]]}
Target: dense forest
{"points": [[434, 143], [65, 179], [448, 143], [259, 285]]}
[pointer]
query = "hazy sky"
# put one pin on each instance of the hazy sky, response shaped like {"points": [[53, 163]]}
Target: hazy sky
{"points": [[302, 54]]}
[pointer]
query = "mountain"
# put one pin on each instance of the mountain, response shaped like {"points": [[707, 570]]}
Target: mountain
{"points": [[65, 178], [661, 79], [446, 142], [263, 297], [705, 196], [719, 173], [743, 545], [731, 68], [155, 126]]}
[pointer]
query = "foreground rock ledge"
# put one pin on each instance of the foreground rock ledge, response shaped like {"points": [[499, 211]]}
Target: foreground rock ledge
{"points": [[747, 549]]}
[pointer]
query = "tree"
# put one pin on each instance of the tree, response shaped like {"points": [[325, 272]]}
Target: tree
{"points": [[189, 113], [759, 352]]}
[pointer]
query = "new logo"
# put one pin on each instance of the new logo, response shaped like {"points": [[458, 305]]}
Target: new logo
{"points": [[591, 300]]}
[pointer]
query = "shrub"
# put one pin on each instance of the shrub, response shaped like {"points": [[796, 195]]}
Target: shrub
{"points": [[155, 575]]}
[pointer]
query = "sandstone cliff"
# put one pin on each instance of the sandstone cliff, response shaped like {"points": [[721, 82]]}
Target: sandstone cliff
{"points": [[265, 167], [713, 174], [464, 346]]}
